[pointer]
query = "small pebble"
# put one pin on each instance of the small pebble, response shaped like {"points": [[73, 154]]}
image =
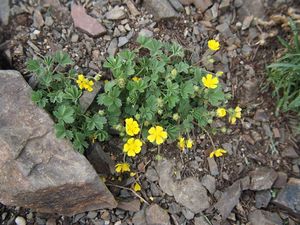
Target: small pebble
{"points": [[20, 221]]}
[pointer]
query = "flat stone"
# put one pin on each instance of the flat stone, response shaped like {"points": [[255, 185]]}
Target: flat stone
{"points": [[146, 33], [209, 182], [289, 197], [249, 93], [49, 21], [4, 11], [188, 214], [281, 180], [262, 198], [122, 41], [252, 8], [165, 171], [38, 20], [262, 178], [247, 22], [151, 174], [261, 116], [87, 97], [139, 218], [132, 9], [177, 5], [201, 221], [113, 47], [245, 183], [38, 170], [191, 194], [86, 23], [117, 13], [156, 215], [130, 205], [161, 9], [225, 30], [290, 152], [92, 214], [20, 220], [229, 199], [213, 167], [261, 217]]}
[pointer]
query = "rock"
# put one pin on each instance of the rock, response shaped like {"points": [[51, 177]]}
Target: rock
{"points": [[100, 160], [225, 30], [177, 5], [209, 182], [132, 9], [74, 38], [38, 20], [201, 5], [201, 221], [229, 199], [262, 198], [191, 194], [247, 22], [161, 9], [289, 152], [155, 215], [261, 217], [251, 8], [213, 167], [249, 92], [146, 33], [51, 221], [113, 47], [189, 215], [20, 220], [164, 169], [38, 170], [86, 23], [49, 21], [281, 180], [262, 178], [155, 190], [261, 116], [4, 11], [139, 218], [131, 205], [117, 13], [289, 197], [87, 98], [122, 41], [225, 4], [92, 214], [151, 174], [245, 183]]}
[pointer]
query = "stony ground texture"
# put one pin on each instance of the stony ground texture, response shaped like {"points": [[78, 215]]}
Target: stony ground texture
{"points": [[254, 183]]}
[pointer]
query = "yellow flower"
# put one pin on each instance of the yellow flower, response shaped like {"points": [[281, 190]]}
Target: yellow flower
{"points": [[80, 81], [132, 174], [213, 45], [89, 85], [217, 153], [189, 143], [122, 167], [221, 112], [219, 73], [132, 127], [132, 147], [210, 82], [136, 79], [157, 134], [232, 119], [174, 73], [137, 187], [181, 143], [237, 115]]}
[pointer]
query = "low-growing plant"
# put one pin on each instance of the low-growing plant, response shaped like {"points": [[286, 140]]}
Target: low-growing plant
{"points": [[284, 75], [58, 91]]}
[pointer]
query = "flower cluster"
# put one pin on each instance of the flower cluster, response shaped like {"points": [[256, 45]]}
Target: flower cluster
{"points": [[122, 167], [133, 146], [84, 83], [185, 143], [233, 114]]}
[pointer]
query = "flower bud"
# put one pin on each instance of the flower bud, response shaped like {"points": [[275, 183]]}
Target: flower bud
{"points": [[97, 77], [101, 112], [160, 112], [196, 88], [176, 116], [121, 83], [209, 121], [223, 130], [137, 116], [146, 123], [160, 102], [174, 73]]}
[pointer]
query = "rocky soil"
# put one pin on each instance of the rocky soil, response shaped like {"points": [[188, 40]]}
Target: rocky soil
{"points": [[257, 183]]}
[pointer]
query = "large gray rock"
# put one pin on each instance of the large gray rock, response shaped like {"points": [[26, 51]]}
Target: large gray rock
{"points": [[4, 11], [261, 217], [262, 178], [161, 9], [155, 215], [289, 197], [38, 170]]}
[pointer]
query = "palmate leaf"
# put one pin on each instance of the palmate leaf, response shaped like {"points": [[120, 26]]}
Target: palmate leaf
{"points": [[64, 114], [62, 58], [72, 93], [61, 132], [187, 89], [39, 98], [33, 65], [79, 142], [96, 121]]}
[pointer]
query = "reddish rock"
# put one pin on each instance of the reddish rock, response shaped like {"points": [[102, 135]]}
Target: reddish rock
{"points": [[85, 22], [38, 170], [131, 205]]}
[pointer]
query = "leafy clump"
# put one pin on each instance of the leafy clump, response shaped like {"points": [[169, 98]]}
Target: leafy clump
{"points": [[58, 91], [284, 75]]}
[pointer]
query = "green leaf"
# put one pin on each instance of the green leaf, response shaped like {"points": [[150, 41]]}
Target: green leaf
{"points": [[143, 40], [61, 132], [109, 85], [187, 89], [79, 142], [62, 58], [33, 65], [216, 97], [201, 116], [127, 55], [72, 93], [173, 132], [65, 114], [96, 121], [102, 135], [39, 99], [48, 61], [154, 46], [56, 97], [182, 67]]}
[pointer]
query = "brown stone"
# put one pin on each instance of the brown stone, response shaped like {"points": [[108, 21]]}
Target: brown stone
{"points": [[281, 180], [262, 178], [161, 9], [131, 205], [132, 9], [156, 215], [261, 217], [85, 22], [38, 170]]}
